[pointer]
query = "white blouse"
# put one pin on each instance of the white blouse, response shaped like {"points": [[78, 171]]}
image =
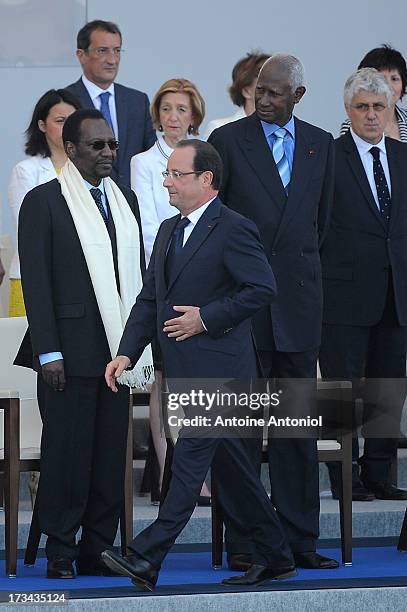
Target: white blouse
{"points": [[26, 175], [147, 182]]}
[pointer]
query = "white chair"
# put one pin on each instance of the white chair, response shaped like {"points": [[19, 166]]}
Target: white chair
{"points": [[17, 397]]}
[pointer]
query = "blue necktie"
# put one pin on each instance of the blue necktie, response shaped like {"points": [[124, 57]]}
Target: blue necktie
{"points": [[176, 246], [104, 107], [382, 188], [280, 157]]}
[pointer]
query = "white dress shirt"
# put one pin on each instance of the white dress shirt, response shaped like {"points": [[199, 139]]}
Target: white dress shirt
{"points": [[366, 157], [94, 92], [194, 218]]}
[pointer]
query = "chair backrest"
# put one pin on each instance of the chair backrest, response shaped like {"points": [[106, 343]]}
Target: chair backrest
{"points": [[23, 380]]}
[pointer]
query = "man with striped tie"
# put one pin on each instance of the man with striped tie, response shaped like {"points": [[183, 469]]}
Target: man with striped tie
{"points": [[278, 171]]}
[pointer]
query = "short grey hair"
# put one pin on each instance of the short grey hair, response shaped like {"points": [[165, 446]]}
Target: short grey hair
{"points": [[367, 79], [292, 65]]}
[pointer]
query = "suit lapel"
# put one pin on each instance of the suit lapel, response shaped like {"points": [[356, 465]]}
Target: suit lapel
{"points": [[201, 231], [83, 95], [260, 158], [121, 115], [162, 248], [358, 170], [396, 173]]}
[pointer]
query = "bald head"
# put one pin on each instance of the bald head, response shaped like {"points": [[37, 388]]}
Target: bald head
{"points": [[279, 87]]}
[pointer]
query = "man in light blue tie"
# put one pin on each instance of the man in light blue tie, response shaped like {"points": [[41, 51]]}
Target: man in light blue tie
{"points": [[278, 171], [99, 49]]}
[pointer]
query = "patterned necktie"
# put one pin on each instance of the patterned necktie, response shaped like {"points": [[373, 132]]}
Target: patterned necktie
{"points": [[97, 196], [280, 157], [382, 188], [104, 107], [176, 246]]}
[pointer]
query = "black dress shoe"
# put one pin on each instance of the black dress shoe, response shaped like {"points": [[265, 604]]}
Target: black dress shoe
{"points": [[389, 492], [141, 572], [60, 567], [93, 566], [313, 560], [359, 493], [239, 562], [260, 574]]}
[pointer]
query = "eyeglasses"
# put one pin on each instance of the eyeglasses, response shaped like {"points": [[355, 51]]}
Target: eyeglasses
{"points": [[105, 51], [99, 145], [378, 107], [175, 174]]}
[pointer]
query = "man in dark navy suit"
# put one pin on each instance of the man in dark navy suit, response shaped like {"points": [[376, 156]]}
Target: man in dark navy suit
{"points": [[364, 266], [126, 110], [278, 171], [209, 268]]}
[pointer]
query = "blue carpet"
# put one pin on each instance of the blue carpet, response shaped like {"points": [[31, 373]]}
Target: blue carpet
{"points": [[191, 572]]}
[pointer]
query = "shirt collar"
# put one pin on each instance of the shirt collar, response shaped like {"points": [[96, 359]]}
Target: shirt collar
{"points": [[270, 128], [364, 147], [195, 215], [101, 186], [94, 90]]}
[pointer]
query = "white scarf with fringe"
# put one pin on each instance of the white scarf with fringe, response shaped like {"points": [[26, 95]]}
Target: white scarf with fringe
{"points": [[97, 249]]}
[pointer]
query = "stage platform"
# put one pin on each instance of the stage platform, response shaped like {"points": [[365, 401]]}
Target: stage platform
{"points": [[377, 581]]}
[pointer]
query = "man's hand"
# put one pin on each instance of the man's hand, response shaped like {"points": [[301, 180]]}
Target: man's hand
{"points": [[189, 324], [2, 272], [114, 369], [54, 374]]}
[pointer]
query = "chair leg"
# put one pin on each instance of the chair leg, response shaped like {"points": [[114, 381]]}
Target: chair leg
{"points": [[126, 518], [12, 481], [402, 544], [345, 509], [34, 537], [2, 489], [217, 526]]}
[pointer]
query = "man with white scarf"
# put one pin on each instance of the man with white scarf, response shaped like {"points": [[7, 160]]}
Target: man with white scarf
{"points": [[81, 254]]}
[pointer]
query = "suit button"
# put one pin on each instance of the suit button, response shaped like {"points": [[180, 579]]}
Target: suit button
{"points": [[302, 253], [301, 283], [273, 253], [387, 239], [167, 301]]}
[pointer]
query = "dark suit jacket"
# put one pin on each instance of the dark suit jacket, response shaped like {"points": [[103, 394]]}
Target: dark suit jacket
{"points": [[361, 249], [136, 133], [62, 311], [224, 271], [291, 229]]}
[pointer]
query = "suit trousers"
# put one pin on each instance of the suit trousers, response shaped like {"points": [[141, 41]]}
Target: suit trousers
{"points": [[83, 458], [293, 466], [376, 352], [256, 515]]}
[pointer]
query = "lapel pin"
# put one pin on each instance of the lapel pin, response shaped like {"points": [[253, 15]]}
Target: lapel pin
{"points": [[312, 151]]}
